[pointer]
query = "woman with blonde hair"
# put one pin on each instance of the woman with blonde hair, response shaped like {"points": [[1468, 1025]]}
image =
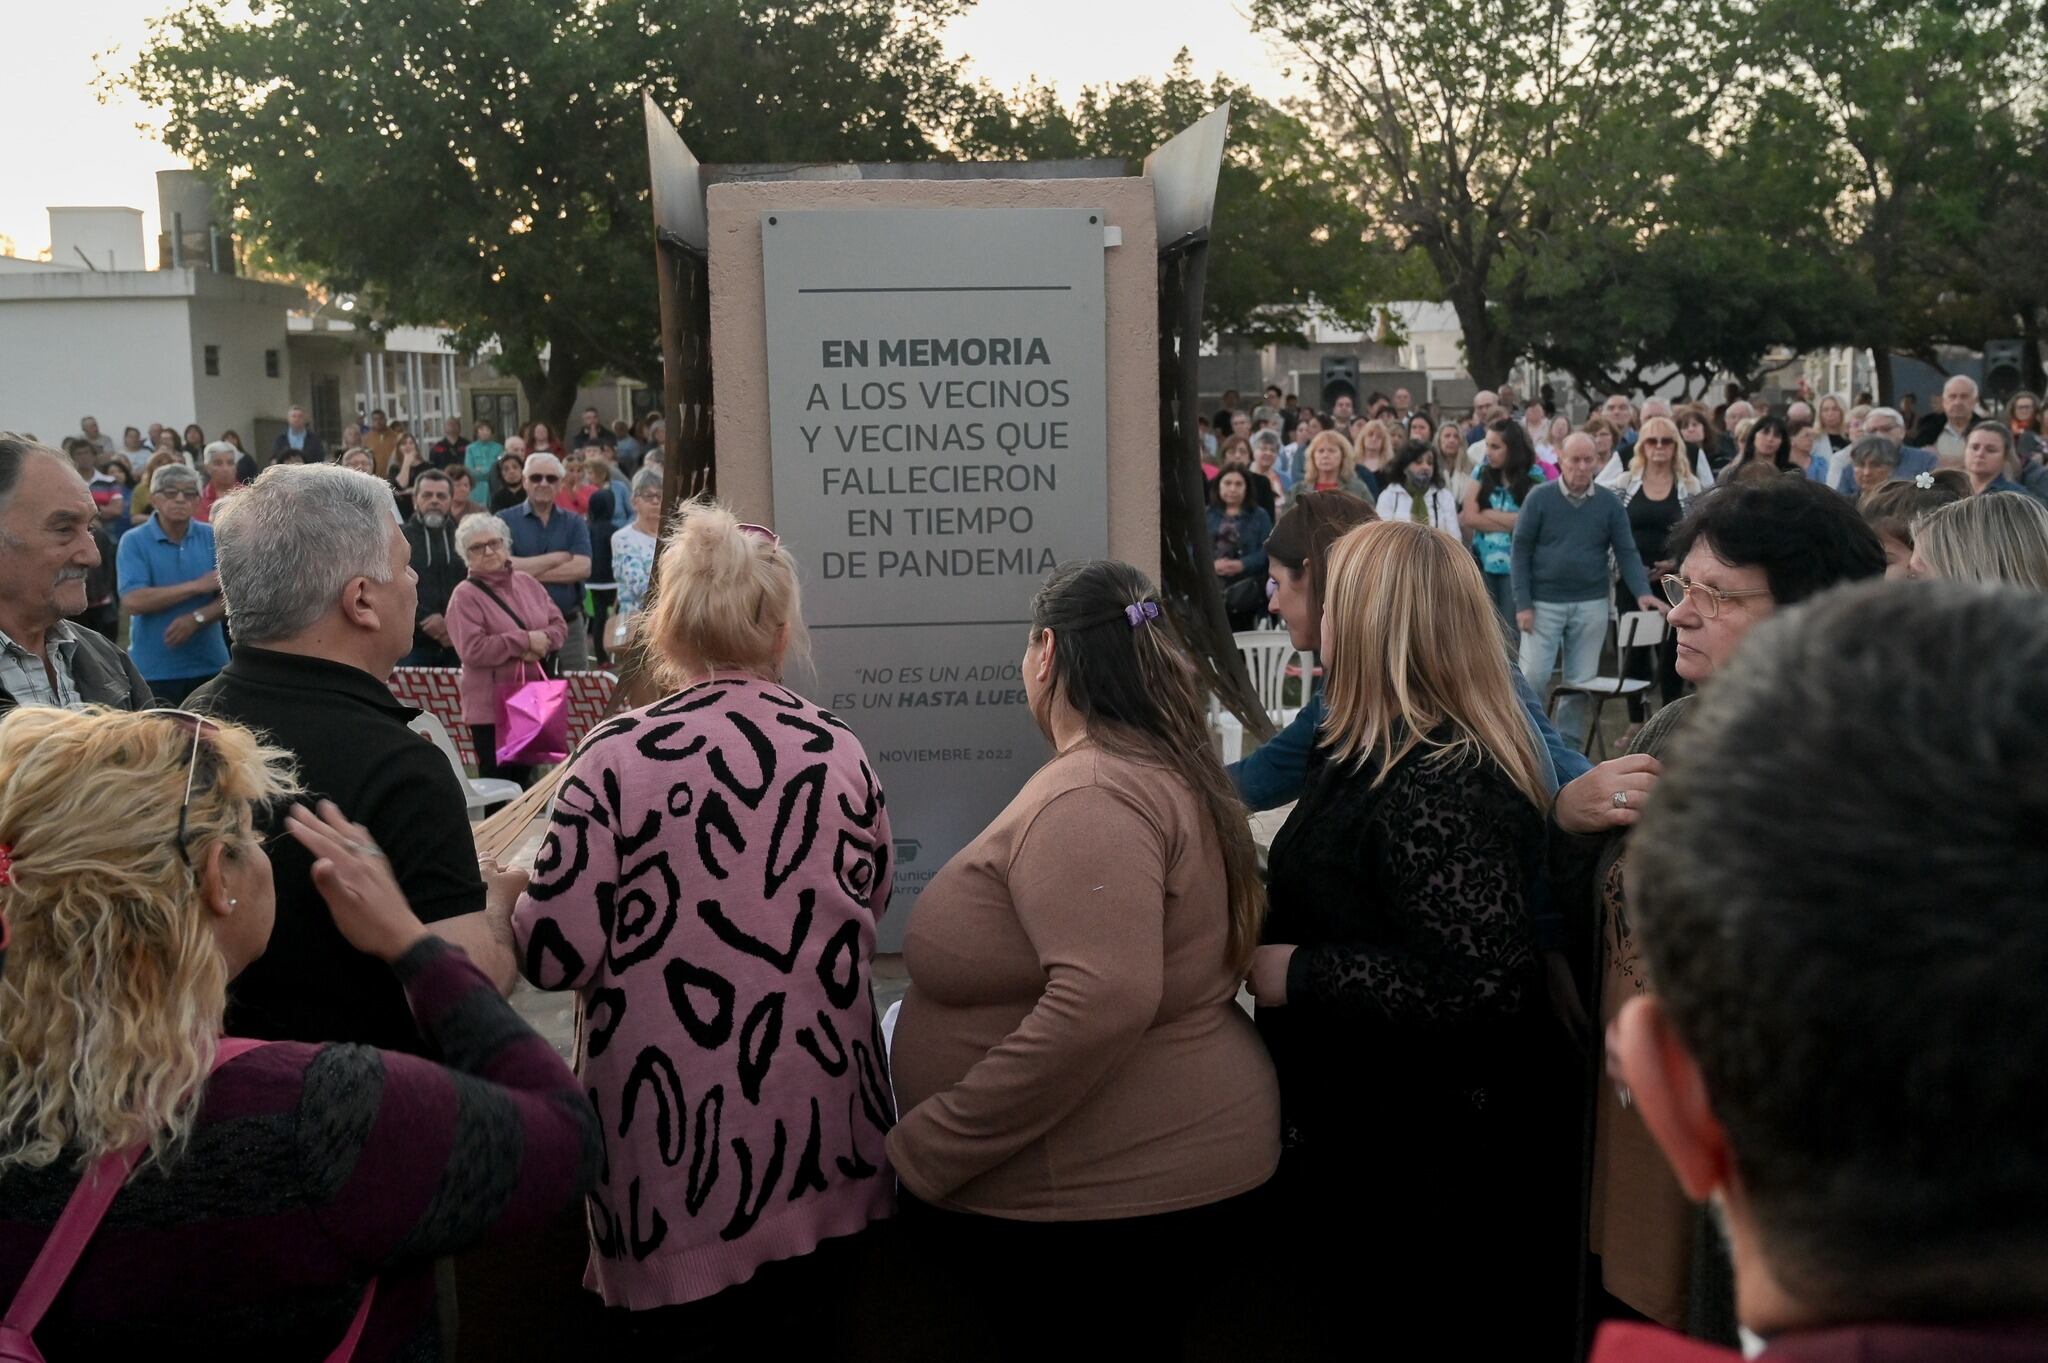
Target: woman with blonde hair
{"points": [[1659, 491], [282, 1202], [2001, 538], [1425, 1090], [1374, 448], [713, 872], [1329, 466], [1085, 1108]]}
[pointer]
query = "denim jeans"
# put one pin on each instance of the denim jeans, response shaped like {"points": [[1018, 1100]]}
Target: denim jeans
{"points": [[1575, 629]]}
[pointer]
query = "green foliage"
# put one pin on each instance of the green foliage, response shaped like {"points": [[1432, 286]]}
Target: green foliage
{"points": [[481, 163], [1288, 237], [1926, 118]]}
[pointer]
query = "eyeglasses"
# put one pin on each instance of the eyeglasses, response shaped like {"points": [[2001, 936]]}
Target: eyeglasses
{"points": [[199, 725], [759, 532], [1658, 442], [1707, 600], [175, 494], [543, 477]]}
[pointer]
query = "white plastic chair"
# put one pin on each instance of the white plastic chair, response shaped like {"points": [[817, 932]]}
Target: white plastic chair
{"points": [[481, 792], [1635, 630], [1267, 653]]}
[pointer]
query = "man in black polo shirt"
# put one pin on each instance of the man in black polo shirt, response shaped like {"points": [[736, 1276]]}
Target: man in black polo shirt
{"points": [[314, 566]]}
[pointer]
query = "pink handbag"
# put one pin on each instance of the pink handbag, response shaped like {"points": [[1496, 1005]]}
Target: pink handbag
{"points": [[533, 719], [81, 1217]]}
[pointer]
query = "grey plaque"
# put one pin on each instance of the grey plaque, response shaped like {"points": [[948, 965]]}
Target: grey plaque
{"points": [[937, 416]]}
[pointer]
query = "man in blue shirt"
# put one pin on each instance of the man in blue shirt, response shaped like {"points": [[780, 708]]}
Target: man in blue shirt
{"points": [[171, 591], [553, 545]]}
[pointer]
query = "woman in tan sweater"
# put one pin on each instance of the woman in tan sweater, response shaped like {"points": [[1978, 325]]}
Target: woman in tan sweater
{"points": [[1084, 1105]]}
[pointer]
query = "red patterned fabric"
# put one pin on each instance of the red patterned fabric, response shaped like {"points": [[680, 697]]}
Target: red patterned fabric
{"points": [[436, 690]]}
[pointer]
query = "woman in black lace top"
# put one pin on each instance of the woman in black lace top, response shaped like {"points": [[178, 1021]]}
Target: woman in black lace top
{"points": [[1427, 1100]]}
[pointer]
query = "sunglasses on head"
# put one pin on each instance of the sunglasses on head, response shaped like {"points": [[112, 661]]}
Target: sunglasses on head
{"points": [[759, 532], [198, 725]]}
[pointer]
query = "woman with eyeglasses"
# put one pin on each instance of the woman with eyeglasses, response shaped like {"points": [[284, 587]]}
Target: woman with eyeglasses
{"points": [[504, 625], [634, 547], [286, 1200], [1660, 490], [714, 870], [1744, 552]]}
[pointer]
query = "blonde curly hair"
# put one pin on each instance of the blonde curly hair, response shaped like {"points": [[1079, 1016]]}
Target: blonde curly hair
{"points": [[115, 985]]}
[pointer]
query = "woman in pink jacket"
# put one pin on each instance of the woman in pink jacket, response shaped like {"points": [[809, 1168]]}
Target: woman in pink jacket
{"points": [[503, 623], [714, 867]]}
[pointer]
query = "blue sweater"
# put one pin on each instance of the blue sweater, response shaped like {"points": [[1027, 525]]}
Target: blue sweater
{"points": [[1561, 550]]}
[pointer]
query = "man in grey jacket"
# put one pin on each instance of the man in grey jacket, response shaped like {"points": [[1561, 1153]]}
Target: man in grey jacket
{"points": [[46, 550]]}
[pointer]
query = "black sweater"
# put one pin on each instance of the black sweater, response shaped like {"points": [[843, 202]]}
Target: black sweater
{"points": [[1414, 980]]}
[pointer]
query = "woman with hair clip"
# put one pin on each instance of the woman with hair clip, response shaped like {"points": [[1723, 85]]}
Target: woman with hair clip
{"points": [[1428, 1096], [286, 1200], [1084, 1105], [1984, 539]]}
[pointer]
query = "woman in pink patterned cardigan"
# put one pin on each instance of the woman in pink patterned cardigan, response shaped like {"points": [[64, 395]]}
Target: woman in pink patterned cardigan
{"points": [[709, 886]]}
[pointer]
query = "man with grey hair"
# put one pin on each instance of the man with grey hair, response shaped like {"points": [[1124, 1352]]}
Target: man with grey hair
{"points": [[1886, 423], [171, 591], [314, 564], [47, 549], [1945, 432], [553, 544]]}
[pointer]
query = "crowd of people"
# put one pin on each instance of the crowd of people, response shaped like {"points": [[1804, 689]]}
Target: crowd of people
{"points": [[575, 524], [1593, 548], [266, 1032]]}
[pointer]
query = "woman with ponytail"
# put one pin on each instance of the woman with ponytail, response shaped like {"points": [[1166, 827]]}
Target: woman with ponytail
{"points": [[1084, 1105]]}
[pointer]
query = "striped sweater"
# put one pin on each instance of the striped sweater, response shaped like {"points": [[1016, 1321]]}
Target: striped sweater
{"points": [[311, 1170]]}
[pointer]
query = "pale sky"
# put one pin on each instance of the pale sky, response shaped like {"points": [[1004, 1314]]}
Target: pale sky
{"points": [[61, 146]]}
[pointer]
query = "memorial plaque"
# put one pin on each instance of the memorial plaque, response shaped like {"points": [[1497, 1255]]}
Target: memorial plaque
{"points": [[937, 425]]}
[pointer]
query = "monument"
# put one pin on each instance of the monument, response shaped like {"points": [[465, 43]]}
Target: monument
{"points": [[936, 383]]}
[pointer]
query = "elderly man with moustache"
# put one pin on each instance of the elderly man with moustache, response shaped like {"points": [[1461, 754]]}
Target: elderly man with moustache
{"points": [[46, 550]]}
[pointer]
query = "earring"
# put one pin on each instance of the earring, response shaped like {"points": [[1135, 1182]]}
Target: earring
{"points": [[233, 902]]}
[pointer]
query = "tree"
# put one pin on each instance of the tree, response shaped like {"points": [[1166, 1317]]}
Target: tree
{"points": [[1725, 256], [482, 166], [1287, 240], [1926, 117], [1481, 136]]}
